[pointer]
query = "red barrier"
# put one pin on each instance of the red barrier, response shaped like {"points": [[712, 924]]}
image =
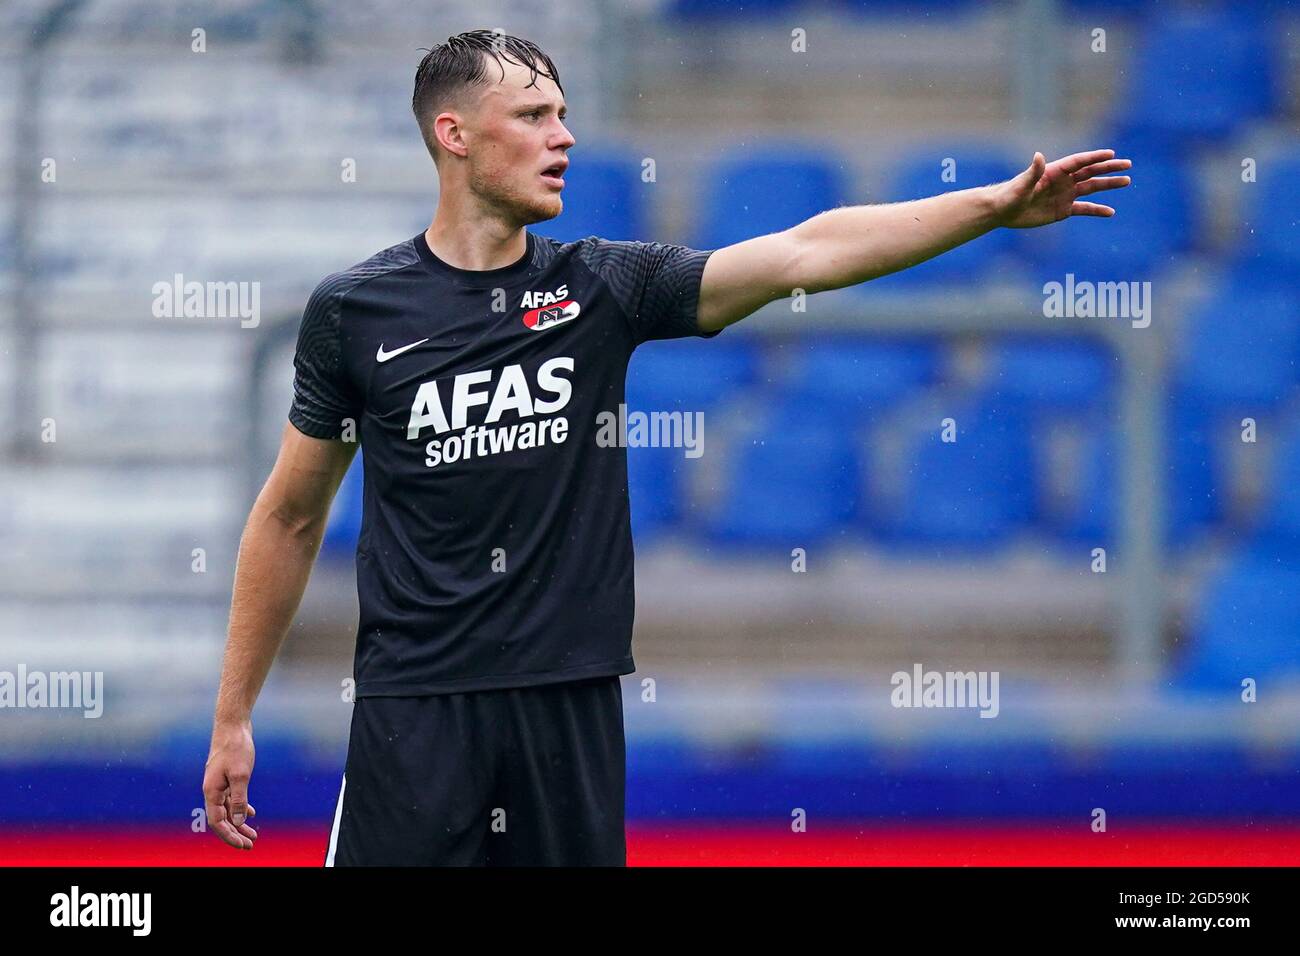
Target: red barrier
{"points": [[729, 845]]}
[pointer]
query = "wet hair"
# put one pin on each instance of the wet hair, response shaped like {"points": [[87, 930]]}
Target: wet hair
{"points": [[461, 63]]}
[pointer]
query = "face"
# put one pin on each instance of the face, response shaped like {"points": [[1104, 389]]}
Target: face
{"points": [[516, 144]]}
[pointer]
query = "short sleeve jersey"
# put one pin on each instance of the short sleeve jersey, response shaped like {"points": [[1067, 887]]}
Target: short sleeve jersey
{"points": [[496, 544]]}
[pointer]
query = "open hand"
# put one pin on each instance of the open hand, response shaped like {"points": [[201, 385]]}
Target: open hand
{"points": [[1049, 192]]}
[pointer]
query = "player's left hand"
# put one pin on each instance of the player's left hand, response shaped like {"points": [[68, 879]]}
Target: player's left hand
{"points": [[1049, 192]]}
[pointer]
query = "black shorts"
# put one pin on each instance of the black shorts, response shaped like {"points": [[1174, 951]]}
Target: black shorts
{"points": [[529, 776]]}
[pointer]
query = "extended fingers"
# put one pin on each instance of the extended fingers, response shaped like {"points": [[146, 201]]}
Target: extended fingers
{"points": [[1090, 209], [1077, 161], [1103, 182], [1096, 169]]}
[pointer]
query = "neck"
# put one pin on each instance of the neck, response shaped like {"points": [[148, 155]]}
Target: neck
{"points": [[474, 241]]}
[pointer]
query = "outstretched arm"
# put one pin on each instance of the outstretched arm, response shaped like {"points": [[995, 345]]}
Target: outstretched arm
{"points": [[852, 244]]}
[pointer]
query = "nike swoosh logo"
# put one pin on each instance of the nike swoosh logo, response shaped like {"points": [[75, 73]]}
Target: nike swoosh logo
{"points": [[382, 356]]}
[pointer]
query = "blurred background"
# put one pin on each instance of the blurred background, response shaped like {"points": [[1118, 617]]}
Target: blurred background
{"points": [[1114, 533]]}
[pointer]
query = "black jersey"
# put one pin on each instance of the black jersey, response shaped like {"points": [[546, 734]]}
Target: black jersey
{"points": [[496, 543]]}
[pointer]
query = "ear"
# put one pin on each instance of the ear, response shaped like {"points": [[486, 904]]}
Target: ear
{"points": [[450, 134]]}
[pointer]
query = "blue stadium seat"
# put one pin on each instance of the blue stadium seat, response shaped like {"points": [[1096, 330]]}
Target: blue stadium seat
{"points": [[1269, 238], [1192, 467], [654, 491], [1248, 625], [768, 190], [343, 527], [1085, 514], [797, 484], [989, 487], [602, 197], [921, 174], [1052, 373], [974, 492], [846, 379], [1065, 384], [1242, 344], [1279, 522], [689, 374], [1203, 73]]}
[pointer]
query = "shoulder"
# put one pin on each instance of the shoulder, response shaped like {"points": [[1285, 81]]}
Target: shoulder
{"points": [[329, 292], [609, 257]]}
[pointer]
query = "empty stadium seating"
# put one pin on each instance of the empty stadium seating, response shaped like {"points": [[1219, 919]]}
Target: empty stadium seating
{"points": [[767, 189], [1204, 72], [1246, 626], [1265, 238], [184, 166]]}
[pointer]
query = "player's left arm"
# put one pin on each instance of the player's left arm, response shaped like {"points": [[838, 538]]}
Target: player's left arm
{"points": [[851, 244]]}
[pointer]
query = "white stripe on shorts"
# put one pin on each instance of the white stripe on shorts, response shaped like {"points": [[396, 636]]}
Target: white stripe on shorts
{"points": [[338, 815]]}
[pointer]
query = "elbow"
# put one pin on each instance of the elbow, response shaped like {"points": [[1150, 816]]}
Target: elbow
{"points": [[299, 521], [807, 262], [310, 528]]}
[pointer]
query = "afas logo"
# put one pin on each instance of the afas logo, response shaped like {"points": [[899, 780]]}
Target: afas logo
{"points": [[546, 309]]}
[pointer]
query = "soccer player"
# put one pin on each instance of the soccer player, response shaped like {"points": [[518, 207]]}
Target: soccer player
{"points": [[494, 568]]}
